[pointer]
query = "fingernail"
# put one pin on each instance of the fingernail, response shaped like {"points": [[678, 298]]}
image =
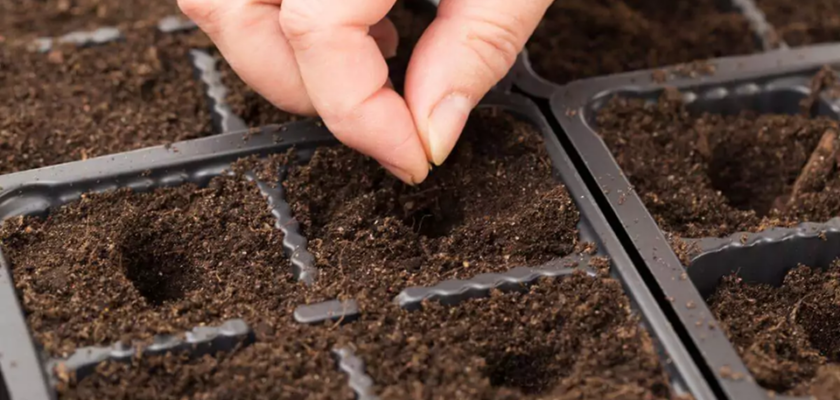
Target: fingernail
{"points": [[445, 125], [399, 173]]}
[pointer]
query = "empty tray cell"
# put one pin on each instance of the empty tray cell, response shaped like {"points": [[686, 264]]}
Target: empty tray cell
{"points": [[75, 103], [26, 19], [580, 39], [567, 337], [123, 265], [494, 206], [802, 23]]}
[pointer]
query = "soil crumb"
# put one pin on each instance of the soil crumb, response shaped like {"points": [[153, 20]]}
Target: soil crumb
{"points": [[494, 206], [803, 23], [40, 18], [788, 336], [77, 103], [580, 39], [711, 175]]}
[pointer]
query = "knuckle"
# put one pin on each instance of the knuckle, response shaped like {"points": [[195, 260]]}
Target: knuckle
{"points": [[496, 44], [298, 19]]}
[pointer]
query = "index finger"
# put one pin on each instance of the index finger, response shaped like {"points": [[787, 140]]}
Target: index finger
{"points": [[346, 77]]}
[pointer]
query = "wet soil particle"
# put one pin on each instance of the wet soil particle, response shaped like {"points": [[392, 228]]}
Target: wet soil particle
{"points": [[802, 23], [122, 265], [788, 336], [581, 39], [709, 175], [75, 103], [571, 338], [39, 18], [494, 206]]}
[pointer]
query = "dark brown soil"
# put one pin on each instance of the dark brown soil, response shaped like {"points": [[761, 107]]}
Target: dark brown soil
{"points": [[493, 207], [581, 39], [787, 336], [123, 265], [411, 17], [713, 175], [802, 23], [76, 103], [567, 339], [39, 18], [293, 362], [249, 105]]}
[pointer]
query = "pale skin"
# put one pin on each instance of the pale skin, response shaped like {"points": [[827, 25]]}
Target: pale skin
{"points": [[327, 58]]}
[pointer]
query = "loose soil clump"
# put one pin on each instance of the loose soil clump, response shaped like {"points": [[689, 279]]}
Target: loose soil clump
{"points": [[125, 266], [581, 39], [803, 23], [710, 175], [788, 336], [75, 103], [493, 207], [570, 338], [39, 18]]}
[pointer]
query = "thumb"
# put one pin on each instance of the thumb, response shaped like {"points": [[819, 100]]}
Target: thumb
{"points": [[471, 46]]}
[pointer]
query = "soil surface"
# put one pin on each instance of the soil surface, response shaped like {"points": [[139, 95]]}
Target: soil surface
{"points": [[788, 336], [711, 175], [803, 23], [493, 207], [572, 338], [39, 18], [75, 103], [581, 38], [249, 105], [123, 265]]}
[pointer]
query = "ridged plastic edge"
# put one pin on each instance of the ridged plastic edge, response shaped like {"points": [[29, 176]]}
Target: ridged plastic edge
{"points": [[333, 310], [80, 38], [224, 119], [454, 291], [197, 342], [354, 367], [176, 23]]}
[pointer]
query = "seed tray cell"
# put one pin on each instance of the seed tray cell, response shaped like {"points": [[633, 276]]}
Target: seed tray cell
{"points": [[526, 79], [774, 82], [34, 192]]}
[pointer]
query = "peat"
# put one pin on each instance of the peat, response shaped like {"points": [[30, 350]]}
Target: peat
{"points": [[571, 338], [75, 103], [494, 206], [125, 266], [788, 336], [38, 18], [803, 23], [712, 175], [580, 38]]}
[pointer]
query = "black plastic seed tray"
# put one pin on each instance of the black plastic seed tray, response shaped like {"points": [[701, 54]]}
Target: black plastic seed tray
{"points": [[772, 82], [525, 78], [28, 373]]}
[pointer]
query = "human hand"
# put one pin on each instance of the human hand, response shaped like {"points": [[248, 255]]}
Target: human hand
{"points": [[327, 57]]}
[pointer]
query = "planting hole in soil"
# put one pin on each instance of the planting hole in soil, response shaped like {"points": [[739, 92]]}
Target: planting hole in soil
{"points": [[495, 206], [76, 103], [582, 39], [125, 266], [573, 337], [803, 23], [787, 335], [710, 175]]}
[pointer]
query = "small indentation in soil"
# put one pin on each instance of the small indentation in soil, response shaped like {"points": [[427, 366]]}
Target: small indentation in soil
{"points": [[747, 184], [158, 272], [529, 372], [432, 213]]}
